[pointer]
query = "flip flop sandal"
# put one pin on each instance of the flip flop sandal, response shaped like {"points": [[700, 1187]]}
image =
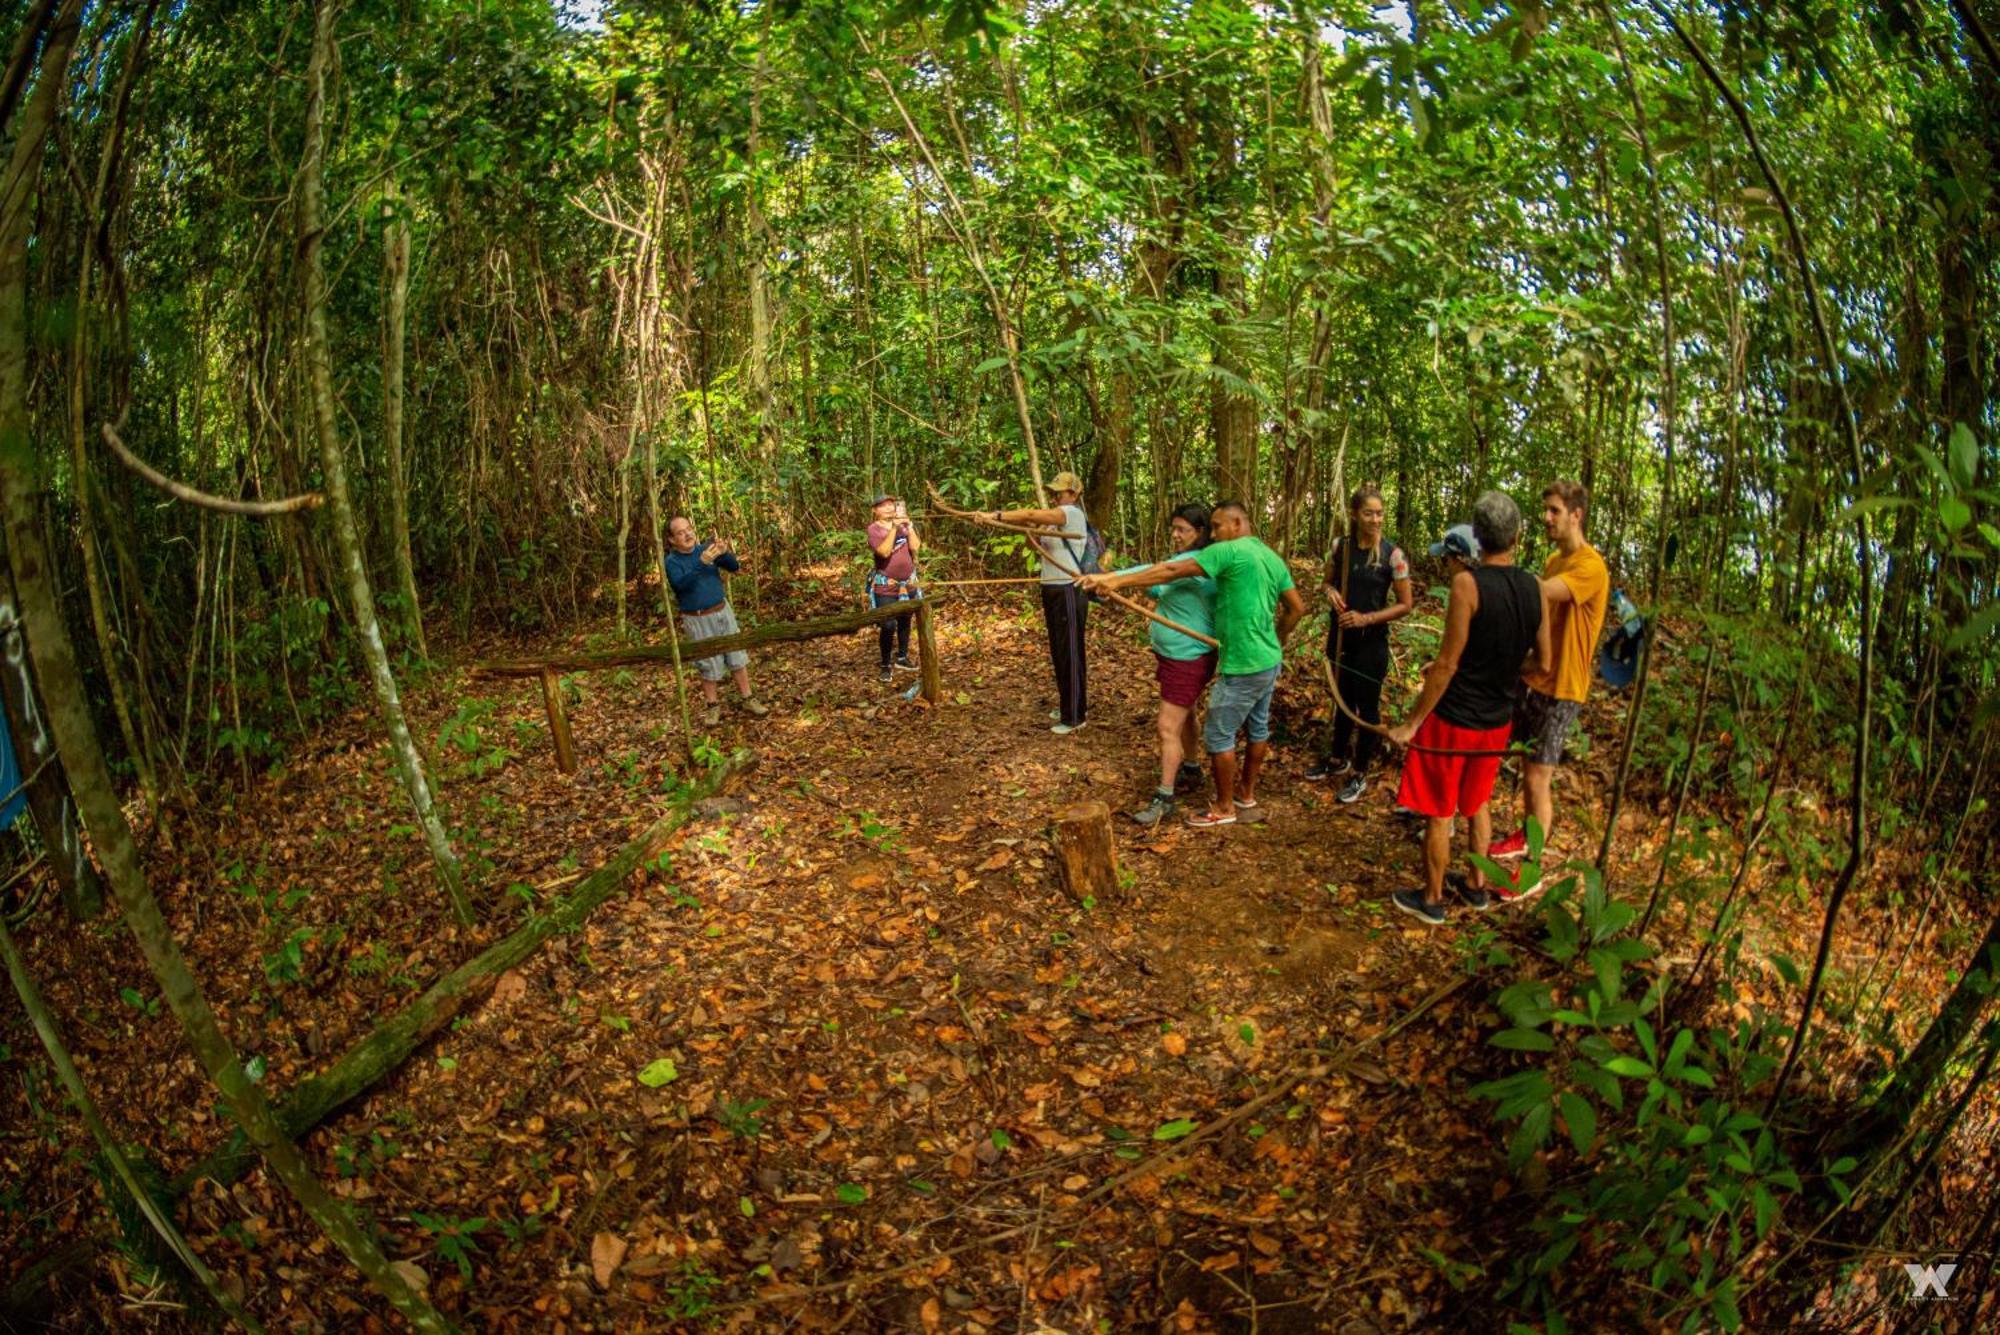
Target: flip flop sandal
{"points": [[1204, 820], [1241, 805]]}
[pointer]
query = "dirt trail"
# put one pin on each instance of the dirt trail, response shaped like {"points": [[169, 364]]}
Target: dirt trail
{"points": [[853, 1024]]}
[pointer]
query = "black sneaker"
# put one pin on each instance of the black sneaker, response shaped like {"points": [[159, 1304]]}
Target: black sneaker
{"points": [[1479, 898], [1412, 903], [903, 662], [888, 673], [1356, 786], [1327, 768], [1189, 775], [1155, 811]]}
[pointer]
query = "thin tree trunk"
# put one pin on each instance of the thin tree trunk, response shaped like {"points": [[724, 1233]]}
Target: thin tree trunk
{"points": [[72, 1082], [49, 800], [137, 747], [69, 712], [762, 396], [340, 503], [1010, 343], [1857, 833], [1669, 414], [396, 285]]}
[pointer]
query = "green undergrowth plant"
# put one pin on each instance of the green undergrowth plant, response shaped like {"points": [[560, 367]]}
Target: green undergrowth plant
{"points": [[468, 742], [1665, 1172]]}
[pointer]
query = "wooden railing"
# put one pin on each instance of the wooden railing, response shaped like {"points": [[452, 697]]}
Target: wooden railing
{"points": [[775, 632]]}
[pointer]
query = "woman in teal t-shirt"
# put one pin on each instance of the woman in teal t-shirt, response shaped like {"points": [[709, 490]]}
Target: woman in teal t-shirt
{"points": [[1182, 666]]}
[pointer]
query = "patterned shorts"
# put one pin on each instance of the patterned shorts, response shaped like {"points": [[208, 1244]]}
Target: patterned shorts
{"points": [[1543, 723]]}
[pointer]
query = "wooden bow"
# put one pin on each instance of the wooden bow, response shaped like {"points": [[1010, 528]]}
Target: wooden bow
{"points": [[1060, 557], [1333, 678]]}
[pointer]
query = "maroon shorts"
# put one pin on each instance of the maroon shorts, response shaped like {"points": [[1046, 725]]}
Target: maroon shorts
{"points": [[1182, 679], [1444, 786]]}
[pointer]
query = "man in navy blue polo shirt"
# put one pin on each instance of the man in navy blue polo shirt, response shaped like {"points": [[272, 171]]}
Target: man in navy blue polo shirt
{"points": [[694, 572]]}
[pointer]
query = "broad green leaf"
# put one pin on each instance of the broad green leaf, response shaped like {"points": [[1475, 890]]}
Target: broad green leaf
{"points": [[1523, 1040], [657, 1073], [1963, 454], [1581, 1119], [1629, 1066], [1173, 1130]]}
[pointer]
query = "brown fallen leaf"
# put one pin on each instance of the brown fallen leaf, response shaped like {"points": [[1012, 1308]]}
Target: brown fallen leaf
{"points": [[999, 859], [1174, 1042], [1226, 1261], [607, 1253]]}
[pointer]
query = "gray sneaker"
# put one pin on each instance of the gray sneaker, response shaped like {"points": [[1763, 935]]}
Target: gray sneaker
{"points": [[1155, 811], [1356, 786], [1412, 903]]}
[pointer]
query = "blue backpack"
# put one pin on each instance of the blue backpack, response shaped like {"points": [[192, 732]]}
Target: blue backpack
{"points": [[1091, 560]]}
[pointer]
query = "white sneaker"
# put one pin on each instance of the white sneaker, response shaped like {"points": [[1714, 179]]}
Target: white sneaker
{"points": [[1065, 729]]}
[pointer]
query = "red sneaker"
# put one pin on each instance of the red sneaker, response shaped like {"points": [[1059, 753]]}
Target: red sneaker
{"points": [[1514, 845]]}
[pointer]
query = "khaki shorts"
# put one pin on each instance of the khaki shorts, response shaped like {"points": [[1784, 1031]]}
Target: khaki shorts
{"points": [[716, 666]]}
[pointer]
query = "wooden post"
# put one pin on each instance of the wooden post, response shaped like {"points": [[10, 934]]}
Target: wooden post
{"points": [[558, 721], [1085, 852], [927, 646]]}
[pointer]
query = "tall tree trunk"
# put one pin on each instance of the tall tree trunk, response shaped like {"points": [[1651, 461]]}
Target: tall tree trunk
{"points": [[865, 296], [137, 742], [340, 503], [396, 309], [44, 1022], [762, 316], [69, 711], [49, 799]]}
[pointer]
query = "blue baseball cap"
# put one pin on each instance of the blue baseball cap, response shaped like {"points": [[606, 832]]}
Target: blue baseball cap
{"points": [[1458, 541]]}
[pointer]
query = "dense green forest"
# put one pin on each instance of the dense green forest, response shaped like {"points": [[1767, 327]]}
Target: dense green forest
{"points": [[354, 358]]}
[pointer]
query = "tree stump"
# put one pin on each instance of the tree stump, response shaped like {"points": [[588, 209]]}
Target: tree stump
{"points": [[1085, 852]]}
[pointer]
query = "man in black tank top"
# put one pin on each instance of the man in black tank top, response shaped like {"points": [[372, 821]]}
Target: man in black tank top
{"points": [[1462, 721]]}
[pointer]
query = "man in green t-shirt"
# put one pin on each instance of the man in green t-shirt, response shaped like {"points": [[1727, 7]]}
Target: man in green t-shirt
{"points": [[1256, 607]]}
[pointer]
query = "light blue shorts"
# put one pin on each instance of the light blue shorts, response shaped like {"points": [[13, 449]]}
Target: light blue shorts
{"points": [[1239, 703]]}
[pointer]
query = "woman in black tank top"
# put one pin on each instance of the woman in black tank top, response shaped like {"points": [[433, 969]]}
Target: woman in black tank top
{"points": [[1367, 586]]}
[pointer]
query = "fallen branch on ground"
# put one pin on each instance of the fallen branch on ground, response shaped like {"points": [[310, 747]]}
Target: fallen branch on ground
{"points": [[390, 1045]]}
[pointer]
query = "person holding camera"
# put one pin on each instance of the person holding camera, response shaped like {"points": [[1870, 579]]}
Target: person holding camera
{"points": [[694, 572], [893, 542]]}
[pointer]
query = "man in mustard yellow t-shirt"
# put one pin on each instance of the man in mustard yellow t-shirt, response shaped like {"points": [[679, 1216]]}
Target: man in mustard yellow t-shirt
{"points": [[1577, 589]]}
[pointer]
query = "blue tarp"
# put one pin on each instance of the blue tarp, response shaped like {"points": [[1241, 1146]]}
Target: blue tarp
{"points": [[10, 778]]}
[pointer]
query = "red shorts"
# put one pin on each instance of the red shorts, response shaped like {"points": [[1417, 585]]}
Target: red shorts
{"points": [[1444, 786], [1182, 679]]}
